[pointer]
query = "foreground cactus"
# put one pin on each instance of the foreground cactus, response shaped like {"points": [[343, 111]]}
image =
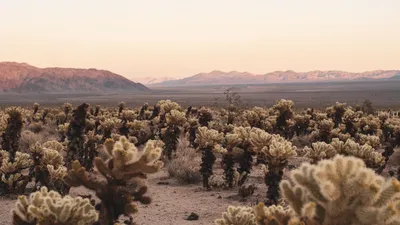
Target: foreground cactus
{"points": [[124, 171], [49, 207], [339, 191], [237, 216], [343, 191]]}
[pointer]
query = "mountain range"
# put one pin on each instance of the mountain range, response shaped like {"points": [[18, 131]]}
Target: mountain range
{"points": [[24, 78], [217, 77]]}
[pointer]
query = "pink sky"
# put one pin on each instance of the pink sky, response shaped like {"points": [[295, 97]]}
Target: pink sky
{"points": [[183, 37]]}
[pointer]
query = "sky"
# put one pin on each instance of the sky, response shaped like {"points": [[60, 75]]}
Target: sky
{"points": [[179, 38]]}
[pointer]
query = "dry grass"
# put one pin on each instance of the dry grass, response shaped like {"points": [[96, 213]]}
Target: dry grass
{"points": [[186, 164]]}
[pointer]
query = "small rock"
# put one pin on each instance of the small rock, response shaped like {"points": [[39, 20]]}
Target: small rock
{"points": [[193, 216], [219, 197], [163, 183], [212, 194]]}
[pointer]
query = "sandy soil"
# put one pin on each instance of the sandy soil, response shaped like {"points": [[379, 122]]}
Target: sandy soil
{"points": [[174, 202]]}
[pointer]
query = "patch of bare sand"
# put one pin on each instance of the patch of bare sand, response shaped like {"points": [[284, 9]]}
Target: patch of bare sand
{"points": [[173, 202]]}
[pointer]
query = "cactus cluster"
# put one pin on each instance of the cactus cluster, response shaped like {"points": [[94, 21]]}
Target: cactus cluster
{"points": [[49, 207], [111, 150], [123, 171], [338, 191]]}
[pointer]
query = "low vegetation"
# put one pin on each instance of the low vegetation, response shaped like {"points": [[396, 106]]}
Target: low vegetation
{"points": [[343, 176]]}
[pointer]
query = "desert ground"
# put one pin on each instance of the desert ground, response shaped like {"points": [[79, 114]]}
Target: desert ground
{"points": [[173, 202], [382, 94]]}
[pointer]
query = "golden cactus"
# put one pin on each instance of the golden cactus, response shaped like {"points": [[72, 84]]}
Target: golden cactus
{"points": [[237, 216], [342, 191], [125, 166], [273, 215], [208, 138], [319, 151], [49, 207], [175, 118]]}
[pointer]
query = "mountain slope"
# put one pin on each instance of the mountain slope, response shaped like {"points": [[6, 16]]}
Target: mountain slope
{"points": [[153, 80], [21, 77], [233, 77]]}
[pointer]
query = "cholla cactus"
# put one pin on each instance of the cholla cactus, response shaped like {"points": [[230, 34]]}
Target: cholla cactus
{"points": [[276, 152], [167, 106], [12, 133], [372, 140], [63, 117], [260, 215], [205, 116], [67, 108], [143, 111], [207, 140], [336, 112], [342, 191], [48, 166], [62, 131], [350, 119], [391, 131], [274, 215], [3, 121], [90, 149], [141, 130], [246, 159], [13, 162], [237, 216], [369, 125], [323, 130], [13, 180], [251, 118], [319, 151], [75, 135], [301, 123], [125, 166], [372, 158], [174, 120], [107, 125], [49, 207], [193, 125], [35, 108], [284, 110], [121, 107], [231, 142]]}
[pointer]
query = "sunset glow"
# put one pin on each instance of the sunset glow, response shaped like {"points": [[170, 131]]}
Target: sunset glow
{"points": [[180, 38]]}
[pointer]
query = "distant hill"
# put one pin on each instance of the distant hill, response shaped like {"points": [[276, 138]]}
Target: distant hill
{"points": [[24, 78], [229, 78], [153, 80]]}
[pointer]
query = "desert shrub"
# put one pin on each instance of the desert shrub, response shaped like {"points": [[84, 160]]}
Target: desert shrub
{"points": [[35, 127], [185, 167], [28, 138]]}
